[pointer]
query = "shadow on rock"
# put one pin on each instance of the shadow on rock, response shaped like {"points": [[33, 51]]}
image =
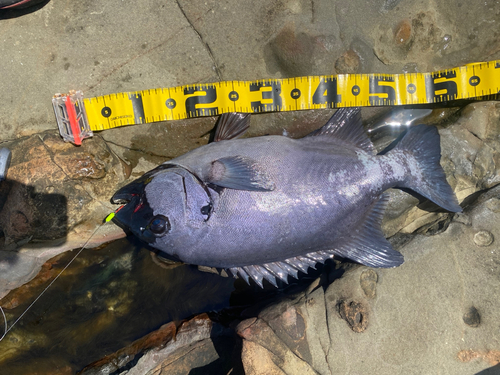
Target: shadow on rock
{"points": [[495, 370], [227, 346], [28, 215]]}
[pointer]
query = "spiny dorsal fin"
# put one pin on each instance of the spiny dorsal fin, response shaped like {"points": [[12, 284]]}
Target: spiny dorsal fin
{"points": [[346, 125], [231, 126]]}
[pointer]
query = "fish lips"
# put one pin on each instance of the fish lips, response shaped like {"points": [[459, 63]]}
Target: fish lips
{"points": [[127, 193], [136, 214]]}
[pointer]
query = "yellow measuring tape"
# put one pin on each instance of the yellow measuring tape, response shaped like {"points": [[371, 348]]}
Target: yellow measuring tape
{"points": [[287, 94]]}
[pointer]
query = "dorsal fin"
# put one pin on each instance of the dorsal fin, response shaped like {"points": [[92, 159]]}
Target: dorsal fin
{"points": [[231, 125], [367, 245], [346, 125]]}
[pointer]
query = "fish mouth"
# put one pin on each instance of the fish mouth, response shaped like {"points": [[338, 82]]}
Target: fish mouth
{"points": [[135, 215], [127, 193], [124, 214]]}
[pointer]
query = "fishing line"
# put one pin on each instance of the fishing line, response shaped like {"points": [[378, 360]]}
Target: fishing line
{"points": [[52, 282]]}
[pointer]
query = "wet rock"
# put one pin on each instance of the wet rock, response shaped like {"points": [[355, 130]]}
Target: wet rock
{"points": [[348, 63], [402, 33], [358, 59], [174, 349], [29, 290], [291, 54], [19, 343], [415, 39]]}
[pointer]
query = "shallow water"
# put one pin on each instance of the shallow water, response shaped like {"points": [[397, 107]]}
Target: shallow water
{"points": [[105, 300]]}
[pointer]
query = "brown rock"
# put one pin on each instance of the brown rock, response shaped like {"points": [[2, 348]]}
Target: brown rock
{"points": [[490, 356], [348, 63], [355, 314], [402, 33]]}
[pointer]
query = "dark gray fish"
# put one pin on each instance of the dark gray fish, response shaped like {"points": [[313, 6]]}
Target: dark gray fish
{"points": [[271, 206]]}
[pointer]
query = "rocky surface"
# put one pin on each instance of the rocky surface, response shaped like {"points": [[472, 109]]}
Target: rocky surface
{"points": [[434, 314], [55, 197]]}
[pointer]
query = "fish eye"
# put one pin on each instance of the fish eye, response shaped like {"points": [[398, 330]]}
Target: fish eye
{"points": [[206, 210], [159, 225]]}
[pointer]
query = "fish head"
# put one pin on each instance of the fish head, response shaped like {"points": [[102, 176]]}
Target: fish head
{"points": [[163, 207]]}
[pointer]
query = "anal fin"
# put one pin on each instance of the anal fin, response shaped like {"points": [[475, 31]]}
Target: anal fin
{"points": [[368, 245]]}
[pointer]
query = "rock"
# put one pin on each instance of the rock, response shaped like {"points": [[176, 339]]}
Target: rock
{"points": [[174, 349], [472, 318], [358, 59], [368, 281], [490, 356], [355, 314], [57, 194], [55, 197], [402, 33], [291, 54]]}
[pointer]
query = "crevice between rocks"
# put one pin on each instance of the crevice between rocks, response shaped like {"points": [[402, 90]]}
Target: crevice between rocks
{"points": [[51, 155], [205, 44], [137, 150]]}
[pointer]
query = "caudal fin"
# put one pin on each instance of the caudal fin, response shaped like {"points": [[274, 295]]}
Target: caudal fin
{"points": [[426, 175]]}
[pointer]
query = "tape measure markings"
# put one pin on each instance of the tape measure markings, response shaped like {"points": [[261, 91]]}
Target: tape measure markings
{"points": [[290, 94]]}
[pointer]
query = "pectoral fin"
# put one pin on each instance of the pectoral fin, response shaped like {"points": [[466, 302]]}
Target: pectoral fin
{"points": [[237, 172]]}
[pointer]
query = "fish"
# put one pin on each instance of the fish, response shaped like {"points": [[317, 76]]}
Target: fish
{"points": [[5, 156], [265, 208]]}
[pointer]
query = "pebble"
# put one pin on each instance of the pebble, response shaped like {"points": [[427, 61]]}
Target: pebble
{"points": [[472, 318], [402, 33], [368, 281], [483, 238], [348, 63], [493, 204]]}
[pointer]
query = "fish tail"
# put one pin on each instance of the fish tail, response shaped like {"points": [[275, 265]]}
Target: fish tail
{"points": [[422, 153]]}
